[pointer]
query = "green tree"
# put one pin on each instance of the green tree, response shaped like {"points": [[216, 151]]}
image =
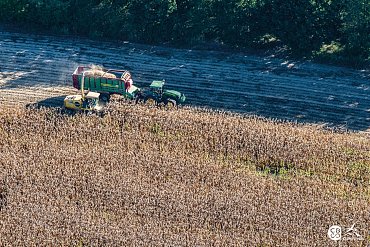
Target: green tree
{"points": [[356, 28], [150, 21], [306, 26]]}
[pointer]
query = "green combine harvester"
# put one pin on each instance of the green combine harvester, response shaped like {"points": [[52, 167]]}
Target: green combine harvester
{"points": [[110, 81]]}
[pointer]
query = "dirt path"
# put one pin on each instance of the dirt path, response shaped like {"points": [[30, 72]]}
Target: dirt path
{"points": [[36, 67]]}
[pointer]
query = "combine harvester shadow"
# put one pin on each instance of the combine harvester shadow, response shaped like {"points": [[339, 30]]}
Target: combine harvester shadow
{"points": [[56, 104], [52, 102]]}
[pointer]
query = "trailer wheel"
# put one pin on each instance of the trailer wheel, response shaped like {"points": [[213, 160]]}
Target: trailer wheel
{"points": [[105, 97], [101, 114]]}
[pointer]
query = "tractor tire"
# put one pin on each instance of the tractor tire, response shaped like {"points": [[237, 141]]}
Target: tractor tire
{"points": [[139, 99], [150, 101], [171, 104]]}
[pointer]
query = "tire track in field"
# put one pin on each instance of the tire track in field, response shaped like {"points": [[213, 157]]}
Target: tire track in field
{"points": [[264, 86]]}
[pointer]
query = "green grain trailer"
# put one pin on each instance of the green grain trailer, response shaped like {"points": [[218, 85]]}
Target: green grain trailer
{"points": [[103, 84]]}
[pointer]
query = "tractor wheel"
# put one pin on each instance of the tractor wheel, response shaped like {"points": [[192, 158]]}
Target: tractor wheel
{"points": [[105, 97], [139, 99], [171, 104], [150, 101]]}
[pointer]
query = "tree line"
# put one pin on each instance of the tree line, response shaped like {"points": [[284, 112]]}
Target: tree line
{"points": [[330, 29]]}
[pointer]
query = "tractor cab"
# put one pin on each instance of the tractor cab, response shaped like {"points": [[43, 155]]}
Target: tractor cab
{"points": [[157, 87], [90, 102]]}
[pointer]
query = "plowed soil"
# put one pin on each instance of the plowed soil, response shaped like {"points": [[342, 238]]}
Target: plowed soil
{"points": [[38, 67]]}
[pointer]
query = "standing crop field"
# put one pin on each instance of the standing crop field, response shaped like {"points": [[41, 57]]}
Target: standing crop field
{"points": [[144, 176]]}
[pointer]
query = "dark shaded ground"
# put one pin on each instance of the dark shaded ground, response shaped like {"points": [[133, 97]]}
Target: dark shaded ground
{"points": [[37, 67], [48, 102]]}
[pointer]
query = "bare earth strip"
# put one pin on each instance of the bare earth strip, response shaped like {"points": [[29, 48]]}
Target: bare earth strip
{"points": [[36, 67]]}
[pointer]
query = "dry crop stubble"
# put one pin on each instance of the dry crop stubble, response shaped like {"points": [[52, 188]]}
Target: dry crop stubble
{"points": [[147, 176]]}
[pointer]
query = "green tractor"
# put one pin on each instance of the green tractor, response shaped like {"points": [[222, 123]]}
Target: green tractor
{"points": [[156, 95]]}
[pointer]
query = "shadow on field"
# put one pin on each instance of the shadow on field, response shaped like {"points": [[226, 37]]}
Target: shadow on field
{"points": [[56, 105], [51, 102]]}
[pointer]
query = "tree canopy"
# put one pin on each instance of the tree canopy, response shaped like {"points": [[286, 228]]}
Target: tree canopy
{"points": [[336, 29]]}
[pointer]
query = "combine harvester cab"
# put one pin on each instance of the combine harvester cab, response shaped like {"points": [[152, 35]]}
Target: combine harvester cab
{"points": [[105, 82], [89, 103]]}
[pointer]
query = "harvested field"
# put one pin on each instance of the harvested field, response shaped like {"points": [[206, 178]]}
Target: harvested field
{"points": [[35, 67], [144, 176]]}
